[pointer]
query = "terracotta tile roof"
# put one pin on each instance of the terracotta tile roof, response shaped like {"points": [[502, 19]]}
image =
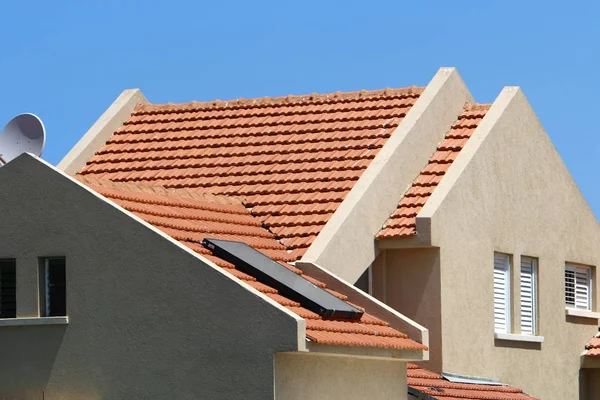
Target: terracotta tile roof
{"points": [[189, 216], [293, 159], [403, 221], [592, 348], [430, 385]]}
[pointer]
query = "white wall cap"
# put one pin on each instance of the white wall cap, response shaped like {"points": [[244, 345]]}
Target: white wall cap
{"points": [[111, 120]]}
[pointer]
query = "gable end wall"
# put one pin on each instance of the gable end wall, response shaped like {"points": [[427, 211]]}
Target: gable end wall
{"points": [[509, 191], [147, 319]]}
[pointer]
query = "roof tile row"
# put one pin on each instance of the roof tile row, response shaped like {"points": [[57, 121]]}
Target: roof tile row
{"points": [[592, 348], [434, 386], [291, 150], [403, 221]]}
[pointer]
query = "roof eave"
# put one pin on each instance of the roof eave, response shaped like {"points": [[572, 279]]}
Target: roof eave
{"points": [[365, 352], [371, 305]]}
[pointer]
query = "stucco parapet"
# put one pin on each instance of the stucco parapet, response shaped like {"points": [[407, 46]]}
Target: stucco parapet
{"points": [[345, 244], [507, 96], [101, 131], [34, 321]]}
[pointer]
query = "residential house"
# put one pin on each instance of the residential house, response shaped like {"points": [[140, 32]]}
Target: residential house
{"points": [[459, 215], [116, 298], [419, 196]]}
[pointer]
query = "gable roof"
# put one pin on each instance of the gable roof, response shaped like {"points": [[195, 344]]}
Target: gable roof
{"points": [[402, 222], [291, 159], [428, 385], [190, 216], [592, 348]]}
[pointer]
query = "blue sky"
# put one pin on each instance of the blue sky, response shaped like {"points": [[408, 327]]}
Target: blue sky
{"points": [[67, 61]]}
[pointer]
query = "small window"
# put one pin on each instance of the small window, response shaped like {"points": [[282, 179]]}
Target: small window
{"points": [[528, 296], [53, 297], [578, 287], [8, 289], [501, 293]]}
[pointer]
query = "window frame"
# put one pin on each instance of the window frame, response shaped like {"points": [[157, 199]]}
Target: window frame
{"points": [[507, 293], [534, 295], [574, 268]]}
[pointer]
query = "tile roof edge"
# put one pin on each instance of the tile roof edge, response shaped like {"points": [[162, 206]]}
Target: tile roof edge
{"points": [[363, 352], [148, 108], [104, 127], [430, 117], [371, 305], [435, 201]]}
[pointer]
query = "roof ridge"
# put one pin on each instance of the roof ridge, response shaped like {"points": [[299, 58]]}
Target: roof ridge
{"points": [[476, 106], [147, 108]]}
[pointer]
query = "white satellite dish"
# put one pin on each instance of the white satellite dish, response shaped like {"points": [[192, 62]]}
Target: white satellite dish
{"points": [[25, 133]]}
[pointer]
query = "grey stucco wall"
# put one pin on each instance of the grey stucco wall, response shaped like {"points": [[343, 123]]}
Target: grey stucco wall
{"points": [[509, 191], [147, 319]]}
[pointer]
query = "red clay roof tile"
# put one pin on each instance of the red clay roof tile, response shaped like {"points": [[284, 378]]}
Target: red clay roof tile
{"points": [[592, 348], [434, 386], [290, 150], [403, 221], [190, 216]]}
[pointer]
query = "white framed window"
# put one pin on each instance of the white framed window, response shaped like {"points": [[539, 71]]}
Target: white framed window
{"points": [[501, 293], [578, 286], [529, 306]]}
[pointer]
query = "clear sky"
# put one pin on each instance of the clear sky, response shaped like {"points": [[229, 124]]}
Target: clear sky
{"points": [[68, 60]]}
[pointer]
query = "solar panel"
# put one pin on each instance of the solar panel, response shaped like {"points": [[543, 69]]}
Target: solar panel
{"points": [[286, 282]]}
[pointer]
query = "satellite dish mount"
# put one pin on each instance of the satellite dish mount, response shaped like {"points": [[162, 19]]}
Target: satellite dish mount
{"points": [[25, 133]]}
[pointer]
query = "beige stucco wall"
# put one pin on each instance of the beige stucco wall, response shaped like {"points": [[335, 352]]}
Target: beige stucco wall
{"points": [[409, 280], [302, 376], [509, 191], [148, 319]]}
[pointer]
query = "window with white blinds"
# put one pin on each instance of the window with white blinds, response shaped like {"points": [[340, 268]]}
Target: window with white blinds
{"points": [[578, 287], [501, 293], [528, 295]]}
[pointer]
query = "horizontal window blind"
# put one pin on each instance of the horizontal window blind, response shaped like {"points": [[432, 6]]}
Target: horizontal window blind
{"points": [[578, 287], [528, 295], [501, 293]]}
